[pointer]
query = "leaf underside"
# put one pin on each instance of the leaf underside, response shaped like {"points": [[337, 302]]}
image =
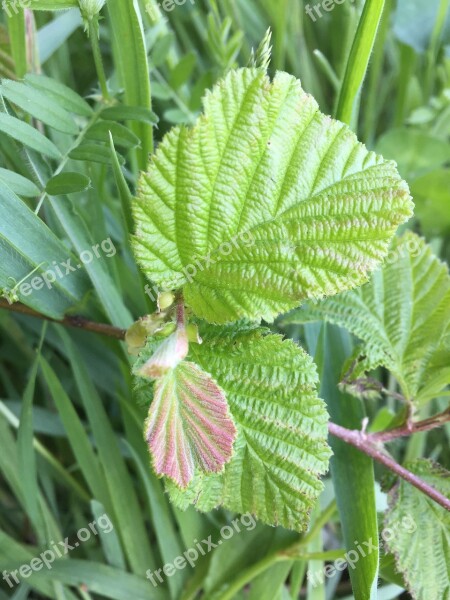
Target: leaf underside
{"points": [[284, 201], [281, 448], [189, 425], [423, 557], [402, 316]]}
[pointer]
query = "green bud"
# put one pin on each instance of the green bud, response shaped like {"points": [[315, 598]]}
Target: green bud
{"points": [[165, 300], [90, 10]]}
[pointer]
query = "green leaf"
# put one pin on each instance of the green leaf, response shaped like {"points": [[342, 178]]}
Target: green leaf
{"points": [[23, 249], [90, 152], [123, 496], [281, 448], [99, 132], [67, 183], [431, 196], [66, 97], [56, 32], [358, 60], [52, 4], [77, 436], [107, 582], [414, 23], [419, 533], [402, 316], [275, 201], [130, 113], [18, 184], [189, 427], [416, 152], [39, 105], [26, 453], [16, 30], [28, 136], [130, 58], [352, 471]]}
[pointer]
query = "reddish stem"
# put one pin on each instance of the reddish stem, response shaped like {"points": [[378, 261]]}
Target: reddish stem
{"points": [[364, 443]]}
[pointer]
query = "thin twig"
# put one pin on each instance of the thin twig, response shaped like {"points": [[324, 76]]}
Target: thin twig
{"points": [[76, 322], [363, 442], [412, 428]]}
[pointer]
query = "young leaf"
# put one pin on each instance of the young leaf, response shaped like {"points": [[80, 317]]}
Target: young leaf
{"points": [[189, 426], [419, 533], [281, 448], [279, 201], [402, 316]]}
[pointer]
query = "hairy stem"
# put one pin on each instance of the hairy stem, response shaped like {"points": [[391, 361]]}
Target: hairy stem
{"points": [[363, 442]]}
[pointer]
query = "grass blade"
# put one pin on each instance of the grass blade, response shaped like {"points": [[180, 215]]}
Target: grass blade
{"points": [[358, 60]]}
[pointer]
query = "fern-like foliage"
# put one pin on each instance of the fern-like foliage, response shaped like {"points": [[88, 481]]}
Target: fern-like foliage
{"points": [[263, 203], [422, 556], [281, 447], [402, 316]]}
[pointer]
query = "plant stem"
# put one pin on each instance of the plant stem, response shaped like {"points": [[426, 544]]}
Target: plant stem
{"points": [[94, 37], [358, 60], [75, 321], [405, 430], [364, 443]]}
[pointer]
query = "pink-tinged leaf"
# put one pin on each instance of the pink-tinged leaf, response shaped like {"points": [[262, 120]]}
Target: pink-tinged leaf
{"points": [[167, 356], [189, 425]]}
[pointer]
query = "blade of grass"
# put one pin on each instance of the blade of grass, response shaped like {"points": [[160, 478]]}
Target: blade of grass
{"points": [[123, 496], [26, 455], [358, 61], [16, 29], [79, 441], [163, 522], [60, 471], [109, 539], [352, 472], [130, 57]]}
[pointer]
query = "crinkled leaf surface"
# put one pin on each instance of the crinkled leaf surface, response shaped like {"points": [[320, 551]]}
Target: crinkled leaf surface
{"points": [[402, 316], [281, 448], [423, 556], [189, 425], [276, 201]]}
